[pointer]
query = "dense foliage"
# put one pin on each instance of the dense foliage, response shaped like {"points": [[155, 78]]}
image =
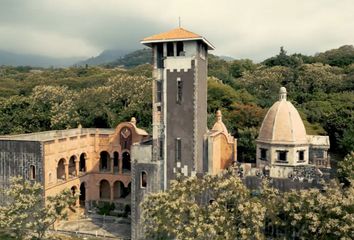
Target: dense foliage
{"points": [[221, 207], [26, 212], [321, 87]]}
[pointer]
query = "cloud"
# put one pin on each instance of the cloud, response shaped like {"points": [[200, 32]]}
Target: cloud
{"points": [[243, 29]]}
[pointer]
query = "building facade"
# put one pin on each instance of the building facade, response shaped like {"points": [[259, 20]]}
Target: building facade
{"points": [[181, 142], [93, 162], [283, 145]]}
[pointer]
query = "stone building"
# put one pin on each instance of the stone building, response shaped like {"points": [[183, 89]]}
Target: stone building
{"points": [[124, 164], [94, 162], [283, 144], [181, 142]]}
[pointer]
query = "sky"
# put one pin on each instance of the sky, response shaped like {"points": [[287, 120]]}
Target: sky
{"points": [[252, 29]]}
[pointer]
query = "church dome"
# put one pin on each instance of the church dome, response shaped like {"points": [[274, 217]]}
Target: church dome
{"points": [[282, 123]]}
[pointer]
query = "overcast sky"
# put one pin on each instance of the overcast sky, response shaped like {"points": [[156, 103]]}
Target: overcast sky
{"points": [[252, 29]]}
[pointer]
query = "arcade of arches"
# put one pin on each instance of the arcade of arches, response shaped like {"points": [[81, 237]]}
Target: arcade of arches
{"points": [[94, 164]]}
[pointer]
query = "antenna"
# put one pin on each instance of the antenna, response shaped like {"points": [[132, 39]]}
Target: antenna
{"points": [[179, 21]]}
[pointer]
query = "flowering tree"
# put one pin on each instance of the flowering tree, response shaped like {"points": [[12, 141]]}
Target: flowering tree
{"points": [[222, 207], [210, 207], [25, 208]]}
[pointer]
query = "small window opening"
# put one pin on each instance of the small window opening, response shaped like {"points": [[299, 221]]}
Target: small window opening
{"points": [[301, 155], [178, 150], [170, 49], [282, 156], [159, 108], [180, 50], [179, 90], [143, 179], [263, 154], [161, 148], [32, 175]]}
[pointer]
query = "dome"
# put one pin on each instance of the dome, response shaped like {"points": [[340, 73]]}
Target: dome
{"points": [[282, 123]]}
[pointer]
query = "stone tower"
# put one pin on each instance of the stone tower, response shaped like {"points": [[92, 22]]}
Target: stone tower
{"points": [[179, 102]]}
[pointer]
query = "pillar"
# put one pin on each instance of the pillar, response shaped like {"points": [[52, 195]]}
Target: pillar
{"points": [[112, 192], [112, 164], [66, 166], [77, 166], [120, 164]]}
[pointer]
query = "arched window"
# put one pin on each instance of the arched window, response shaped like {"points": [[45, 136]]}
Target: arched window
{"points": [[118, 189], [82, 164], [61, 170], [72, 167], [116, 160], [82, 197], [105, 164], [126, 162], [32, 172], [143, 180], [105, 190]]}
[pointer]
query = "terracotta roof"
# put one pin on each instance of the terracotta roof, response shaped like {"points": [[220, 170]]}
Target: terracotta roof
{"points": [[175, 34]]}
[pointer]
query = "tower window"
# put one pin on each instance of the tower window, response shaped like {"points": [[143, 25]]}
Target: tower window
{"points": [[180, 50], [301, 155], [161, 149], [170, 49], [143, 180], [32, 174], [178, 150], [179, 90], [282, 156], [263, 154], [158, 91]]}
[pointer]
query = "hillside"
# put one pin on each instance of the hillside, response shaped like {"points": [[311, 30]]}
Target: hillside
{"points": [[14, 59], [104, 57]]}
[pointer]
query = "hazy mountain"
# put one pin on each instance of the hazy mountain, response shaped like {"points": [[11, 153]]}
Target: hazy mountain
{"points": [[14, 59], [226, 58], [133, 59], [105, 57]]}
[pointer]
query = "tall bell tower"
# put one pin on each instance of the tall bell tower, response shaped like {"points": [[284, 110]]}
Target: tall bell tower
{"points": [[179, 102]]}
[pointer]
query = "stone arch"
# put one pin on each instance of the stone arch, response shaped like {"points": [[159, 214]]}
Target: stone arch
{"points": [[72, 166], [74, 191], [105, 189], [126, 166], [82, 163], [105, 161], [118, 189], [61, 169]]}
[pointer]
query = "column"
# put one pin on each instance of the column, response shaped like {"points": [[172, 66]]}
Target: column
{"points": [[77, 163], [66, 165], [111, 163], [120, 164], [112, 192]]}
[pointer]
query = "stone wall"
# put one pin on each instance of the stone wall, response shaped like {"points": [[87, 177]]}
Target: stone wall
{"points": [[16, 158]]}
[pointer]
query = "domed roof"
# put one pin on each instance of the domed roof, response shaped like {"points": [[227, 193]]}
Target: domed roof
{"points": [[283, 123]]}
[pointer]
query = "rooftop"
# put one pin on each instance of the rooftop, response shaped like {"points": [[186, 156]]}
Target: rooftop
{"points": [[56, 134], [177, 34]]}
